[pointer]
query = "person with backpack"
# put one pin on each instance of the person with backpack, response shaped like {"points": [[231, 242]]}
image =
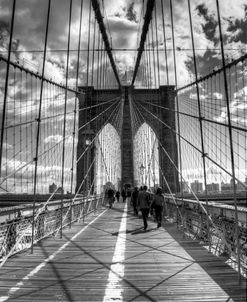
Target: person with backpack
{"points": [[123, 194], [134, 197], [157, 205], [143, 203], [117, 195], [111, 197]]}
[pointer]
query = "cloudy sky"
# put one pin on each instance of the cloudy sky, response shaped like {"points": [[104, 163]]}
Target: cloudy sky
{"points": [[123, 21]]}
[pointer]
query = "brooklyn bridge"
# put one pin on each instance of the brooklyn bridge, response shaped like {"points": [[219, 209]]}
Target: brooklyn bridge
{"points": [[104, 95]]}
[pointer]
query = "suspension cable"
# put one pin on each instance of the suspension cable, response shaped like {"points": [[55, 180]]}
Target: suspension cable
{"points": [[39, 119], [6, 84], [165, 46]]}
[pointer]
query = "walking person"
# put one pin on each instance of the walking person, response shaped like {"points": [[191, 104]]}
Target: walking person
{"points": [[134, 198], [123, 194], [117, 195], [157, 205], [128, 196], [143, 202], [111, 198]]}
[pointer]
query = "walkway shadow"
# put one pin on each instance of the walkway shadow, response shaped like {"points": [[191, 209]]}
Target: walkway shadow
{"points": [[141, 230], [222, 274], [141, 293]]}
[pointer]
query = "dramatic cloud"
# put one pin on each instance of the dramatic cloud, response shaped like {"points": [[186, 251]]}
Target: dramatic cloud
{"points": [[123, 21]]}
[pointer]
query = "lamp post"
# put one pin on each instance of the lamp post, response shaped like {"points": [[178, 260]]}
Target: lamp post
{"points": [[142, 168]]}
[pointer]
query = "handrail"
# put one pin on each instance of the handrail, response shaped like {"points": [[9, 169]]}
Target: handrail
{"points": [[222, 230], [16, 235]]}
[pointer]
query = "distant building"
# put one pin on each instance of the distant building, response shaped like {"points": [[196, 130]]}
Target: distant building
{"points": [[60, 190], [226, 187], [240, 187], [52, 188], [213, 187], [185, 187], [196, 186], [229, 186]]}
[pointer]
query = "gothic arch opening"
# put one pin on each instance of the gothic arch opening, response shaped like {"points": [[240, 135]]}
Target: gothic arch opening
{"points": [[146, 157], [108, 159]]}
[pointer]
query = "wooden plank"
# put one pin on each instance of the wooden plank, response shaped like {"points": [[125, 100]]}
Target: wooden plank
{"points": [[159, 265]]}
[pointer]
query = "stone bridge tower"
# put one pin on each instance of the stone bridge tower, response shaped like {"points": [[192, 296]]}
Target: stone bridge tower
{"points": [[165, 132]]}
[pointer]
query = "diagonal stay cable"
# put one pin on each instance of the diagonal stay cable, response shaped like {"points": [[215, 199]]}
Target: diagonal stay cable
{"points": [[221, 236], [188, 142], [147, 19]]}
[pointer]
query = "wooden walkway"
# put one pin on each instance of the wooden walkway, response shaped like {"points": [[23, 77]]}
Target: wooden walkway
{"points": [[110, 258]]}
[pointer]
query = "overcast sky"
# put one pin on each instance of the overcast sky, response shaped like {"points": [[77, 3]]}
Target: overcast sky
{"points": [[122, 19]]}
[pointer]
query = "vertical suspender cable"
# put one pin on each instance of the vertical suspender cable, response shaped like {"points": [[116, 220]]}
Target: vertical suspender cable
{"points": [[103, 70], [97, 74], [200, 115], [6, 85], [92, 78], [88, 42], [88, 117], [86, 163], [26, 117], [65, 112], [150, 64], [14, 138], [20, 108], [157, 41], [164, 32], [100, 63], [177, 103], [230, 138], [145, 66], [77, 81], [39, 120], [158, 67], [152, 34]]}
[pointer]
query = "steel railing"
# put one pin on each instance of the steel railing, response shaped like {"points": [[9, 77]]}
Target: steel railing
{"points": [[16, 232], [220, 238]]}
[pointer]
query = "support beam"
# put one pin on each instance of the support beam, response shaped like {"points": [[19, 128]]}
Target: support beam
{"points": [[99, 18], [147, 19]]}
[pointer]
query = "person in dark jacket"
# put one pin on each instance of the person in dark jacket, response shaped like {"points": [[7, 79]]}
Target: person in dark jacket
{"points": [[128, 196], [134, 198], [111, 198], [157, 205], [117, 195], [123, 194], [143, 202]]}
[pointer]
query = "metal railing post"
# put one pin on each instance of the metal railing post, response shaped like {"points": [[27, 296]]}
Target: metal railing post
{"points": [[61, 219]]}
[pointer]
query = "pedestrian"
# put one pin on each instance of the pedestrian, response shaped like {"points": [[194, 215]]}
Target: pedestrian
{"points": [[117, 195], [128, 196], [134, 198], [157, 205], [111, 197], [143, 202], [123, 194]]}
